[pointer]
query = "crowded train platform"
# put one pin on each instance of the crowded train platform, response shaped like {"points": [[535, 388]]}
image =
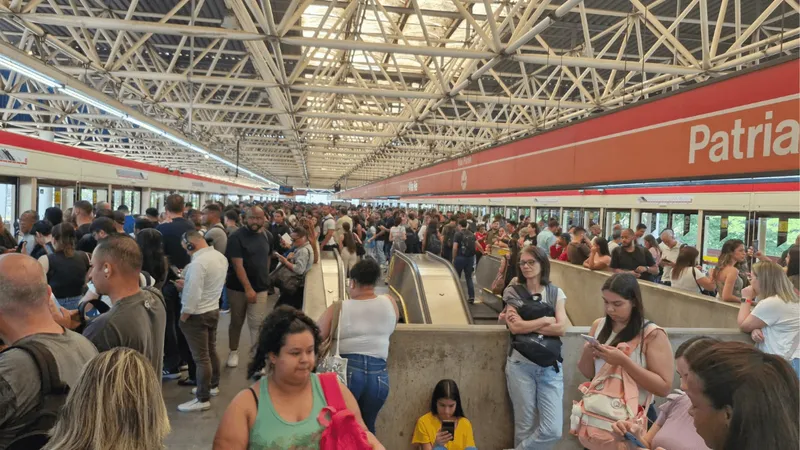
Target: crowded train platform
{"points": [[399, 225]]}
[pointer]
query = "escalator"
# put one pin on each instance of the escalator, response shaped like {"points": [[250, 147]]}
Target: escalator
{"points": [[427, 290], [325, 284]]}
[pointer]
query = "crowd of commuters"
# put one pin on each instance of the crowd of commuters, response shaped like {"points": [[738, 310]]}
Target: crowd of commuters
{"points": [[107, 303]]}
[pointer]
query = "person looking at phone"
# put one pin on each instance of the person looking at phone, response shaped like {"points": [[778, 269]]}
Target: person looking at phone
{"points": [[444, 426], [743, 398], [670, 250], [650, 364], [674, 429]]}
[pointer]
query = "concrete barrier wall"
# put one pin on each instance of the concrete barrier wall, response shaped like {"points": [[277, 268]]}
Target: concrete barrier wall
{"points": [[663, 305], [474, 356]]}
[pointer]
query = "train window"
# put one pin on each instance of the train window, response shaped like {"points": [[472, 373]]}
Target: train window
{"points": [[47, 199], [720, 227], [776, 233], [545, 214], [511, 214], [8, 204], [571, 218], [87, 195], [591, 217], [684, 225], [655, 221], [620, 216], [525, 212]]}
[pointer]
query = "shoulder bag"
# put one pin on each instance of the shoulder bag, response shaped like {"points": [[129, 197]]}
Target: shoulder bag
{"points": [[542, 350], [702, 291], [334, 362]]}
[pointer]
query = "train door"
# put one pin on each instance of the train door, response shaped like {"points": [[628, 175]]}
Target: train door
{"points": [[685, 225], [525, 212], [8, 202], [511, 213], [720, 227], [591, 217], [774, 233], [93, 194], [546, 214], [617, 216], [656, 221], [130, 197]]}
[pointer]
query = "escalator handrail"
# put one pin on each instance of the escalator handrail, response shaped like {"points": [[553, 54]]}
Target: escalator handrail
{"points": [[461, 294], [417, 284], [342, 275]]}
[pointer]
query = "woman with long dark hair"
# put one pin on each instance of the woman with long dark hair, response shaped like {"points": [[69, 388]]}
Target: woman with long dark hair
{"points": [[446, 408], [536, 387], [650, 364], [743, 398], [280, 410], [726, 274], [599, 257], [347, 247], [433, 241], [685, 276], [66, 268], [154, 261]]}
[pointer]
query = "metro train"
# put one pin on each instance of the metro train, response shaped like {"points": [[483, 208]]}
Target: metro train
{"points": [[763, 212]]}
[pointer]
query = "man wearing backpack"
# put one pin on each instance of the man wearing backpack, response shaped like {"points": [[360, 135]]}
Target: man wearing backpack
{"points": [[37, 344], [449, 232], [464, 256]]}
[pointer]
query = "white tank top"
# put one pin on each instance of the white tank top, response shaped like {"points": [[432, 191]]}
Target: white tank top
{"points": [[637, 356], [366, 326]]}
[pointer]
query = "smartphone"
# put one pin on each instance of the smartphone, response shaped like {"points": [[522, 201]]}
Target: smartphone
{"points": [[449, 426], [591, 340], [629, 436]]}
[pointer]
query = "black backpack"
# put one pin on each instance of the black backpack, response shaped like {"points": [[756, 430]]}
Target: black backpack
{"points": [[542, 350], [53, 395], [467, 247], [434, 244]]}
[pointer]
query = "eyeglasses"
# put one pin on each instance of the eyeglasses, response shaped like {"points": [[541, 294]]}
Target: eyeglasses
{"points": [[529, 263]]}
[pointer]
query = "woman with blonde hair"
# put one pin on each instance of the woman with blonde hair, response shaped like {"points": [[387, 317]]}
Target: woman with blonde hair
{"points": [[116, 404], [774, 321]]}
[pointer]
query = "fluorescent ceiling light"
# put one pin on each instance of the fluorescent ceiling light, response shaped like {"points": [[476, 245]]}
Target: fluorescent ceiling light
{"points": [[28, 72], [94, 102], [80, 96]]}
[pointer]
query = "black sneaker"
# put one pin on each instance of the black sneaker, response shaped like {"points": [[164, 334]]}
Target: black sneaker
{"points": [[186, 381], [168, 374], [471, 301]]}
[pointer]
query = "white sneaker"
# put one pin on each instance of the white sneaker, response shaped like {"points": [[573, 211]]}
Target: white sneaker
{"points": [[233, 359], [194, 405], [213, 391]]}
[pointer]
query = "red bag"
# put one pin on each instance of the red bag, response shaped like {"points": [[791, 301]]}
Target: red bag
{"points": [[342, 430]]}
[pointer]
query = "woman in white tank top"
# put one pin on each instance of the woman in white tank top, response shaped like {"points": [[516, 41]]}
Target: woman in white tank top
{"points": [[366, 323], [651, 365]]}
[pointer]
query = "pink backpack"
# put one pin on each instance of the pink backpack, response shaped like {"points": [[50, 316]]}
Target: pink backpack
{"points": [[342, 430], [611, 396]]}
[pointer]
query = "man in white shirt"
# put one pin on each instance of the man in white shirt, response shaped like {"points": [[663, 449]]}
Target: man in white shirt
{"points": [[616, 239], [327, 230], [343, 218], [200, 288], [670, 248]]}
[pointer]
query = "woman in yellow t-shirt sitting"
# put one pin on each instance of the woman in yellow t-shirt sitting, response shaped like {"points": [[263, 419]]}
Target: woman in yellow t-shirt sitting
{"points": [[445, 426]]}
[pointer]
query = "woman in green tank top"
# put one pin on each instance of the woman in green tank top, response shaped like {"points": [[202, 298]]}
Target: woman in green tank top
{"points": [[280, 411]]}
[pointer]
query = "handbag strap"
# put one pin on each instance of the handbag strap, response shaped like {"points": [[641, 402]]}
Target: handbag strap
{"points": [[336, 320], [333, 393]]}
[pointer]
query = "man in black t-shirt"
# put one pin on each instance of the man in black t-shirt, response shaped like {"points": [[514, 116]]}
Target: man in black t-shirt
{"points": [[634, 259], [249, 254]]}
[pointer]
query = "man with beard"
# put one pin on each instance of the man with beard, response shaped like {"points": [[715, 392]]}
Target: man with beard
{"points": [[249, 255], [633, 259]]}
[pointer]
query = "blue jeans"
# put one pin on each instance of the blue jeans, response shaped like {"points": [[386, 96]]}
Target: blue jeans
{"points": [[535, 390], [368, 380], [796, 365], [225, 305], [466, 264], [70, 303]]}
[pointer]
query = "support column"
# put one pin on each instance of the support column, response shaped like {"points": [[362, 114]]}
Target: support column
{"points": [[66, 198], [145, 199], [636, 218], [203, 199], [28, 194]]}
